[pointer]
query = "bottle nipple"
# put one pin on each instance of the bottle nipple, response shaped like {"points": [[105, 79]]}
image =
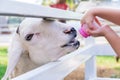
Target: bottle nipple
{"points": [[83, 32]]}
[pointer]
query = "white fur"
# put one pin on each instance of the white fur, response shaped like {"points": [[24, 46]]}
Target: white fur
{"points": [[44, 47]]}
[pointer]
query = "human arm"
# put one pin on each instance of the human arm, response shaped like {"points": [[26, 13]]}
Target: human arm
{"points": [[109, 34], [109, 14], [113, 39]]}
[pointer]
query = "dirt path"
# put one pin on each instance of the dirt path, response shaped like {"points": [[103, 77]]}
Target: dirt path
{"points": [[78, 74]]}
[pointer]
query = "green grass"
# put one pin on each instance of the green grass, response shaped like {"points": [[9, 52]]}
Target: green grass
{"points": [[2, 70], [3, 51], [101, 61], [110, 61], [3, 60]]}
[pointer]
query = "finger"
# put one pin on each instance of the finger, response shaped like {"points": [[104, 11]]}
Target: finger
{"points": [[82, 21], [90, 25], [97, 21], [92, 32]]}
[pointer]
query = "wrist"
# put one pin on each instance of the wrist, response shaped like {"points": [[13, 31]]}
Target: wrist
{"points": [[93, 11], [96, 11], [107, 31]]}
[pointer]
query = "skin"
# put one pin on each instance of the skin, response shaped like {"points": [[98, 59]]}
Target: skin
{"points": [[112, 15]]}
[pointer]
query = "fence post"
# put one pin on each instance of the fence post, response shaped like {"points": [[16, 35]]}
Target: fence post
{"points": [[90, 65]]}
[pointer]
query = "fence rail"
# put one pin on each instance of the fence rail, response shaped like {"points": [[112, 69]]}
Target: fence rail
{"points": [[59, 69], [66, 64], [12, 8]]}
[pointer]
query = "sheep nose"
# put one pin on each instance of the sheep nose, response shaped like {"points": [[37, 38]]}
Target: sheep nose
{"points": [[71, 31]]}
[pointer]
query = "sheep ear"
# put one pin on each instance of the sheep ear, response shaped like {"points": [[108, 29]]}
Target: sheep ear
{"points": [[14, 52], [48, 19]]}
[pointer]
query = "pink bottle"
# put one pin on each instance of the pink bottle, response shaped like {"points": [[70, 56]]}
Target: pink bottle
{"points": [[82, 30]]}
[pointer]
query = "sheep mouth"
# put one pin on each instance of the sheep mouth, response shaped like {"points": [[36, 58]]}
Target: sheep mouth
{"points": [[72, 42]]}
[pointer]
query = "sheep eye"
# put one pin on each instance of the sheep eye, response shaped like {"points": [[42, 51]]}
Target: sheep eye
{"points": [[28, 37]]}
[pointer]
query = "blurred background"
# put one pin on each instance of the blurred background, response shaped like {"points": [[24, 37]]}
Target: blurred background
{"points": [[107, 66]]}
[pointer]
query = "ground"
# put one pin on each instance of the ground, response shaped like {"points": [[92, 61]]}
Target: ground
{"points": [[78, 74]]}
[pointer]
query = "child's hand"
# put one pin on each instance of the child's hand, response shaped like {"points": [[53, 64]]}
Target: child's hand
{"points": [[88, 18], [100, 31]]}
